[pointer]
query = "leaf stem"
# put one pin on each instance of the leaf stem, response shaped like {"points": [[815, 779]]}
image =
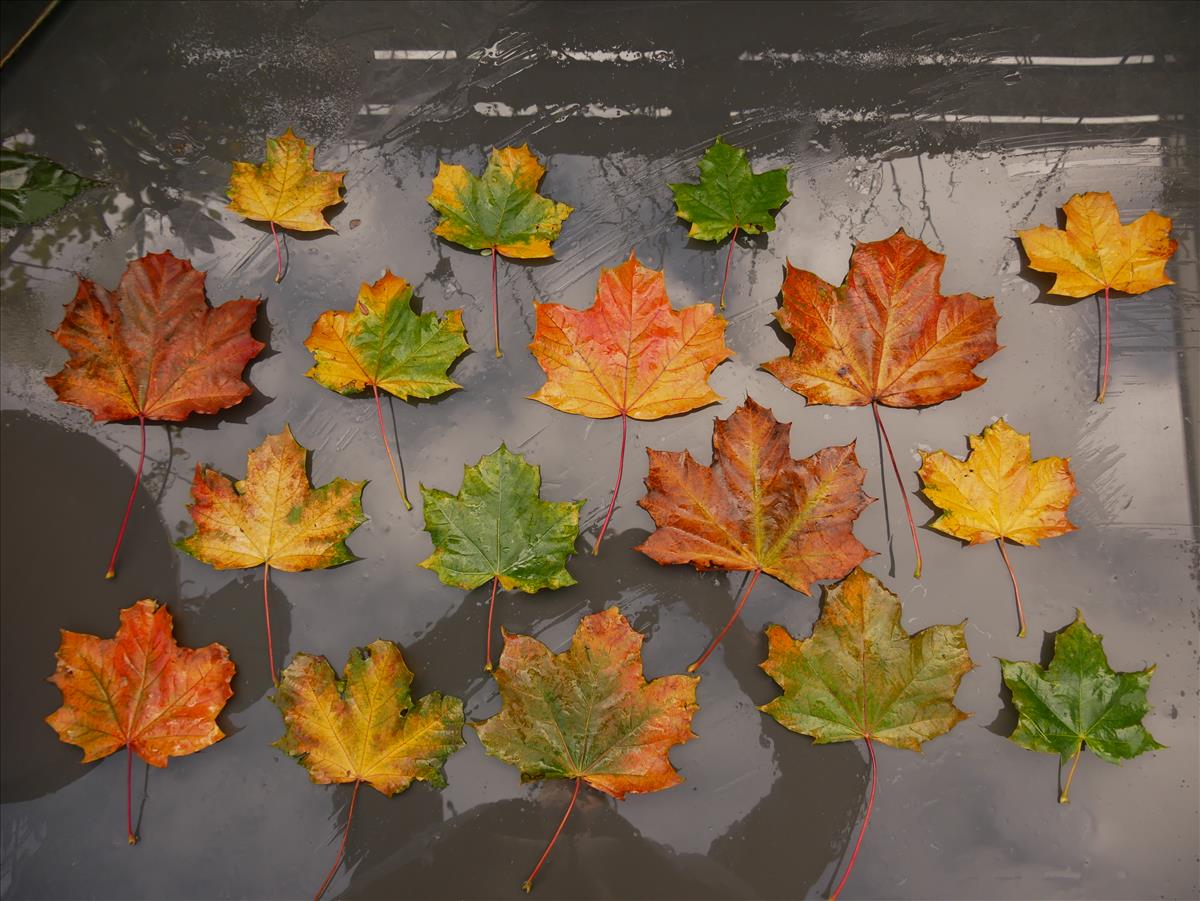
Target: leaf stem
{"points": [[1064, 798], [495, 306], [112, 562], [267, 617], [616, 488], [342, 849], [863, 830], [1107, 350], [1016, 587], [716, 641], [388, 448], [728, 260], [527, 885], [278, 255], [491, 610], [133, 839], [912, 526]]}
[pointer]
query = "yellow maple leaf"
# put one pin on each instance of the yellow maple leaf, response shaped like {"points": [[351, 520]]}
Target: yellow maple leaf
{"points": [[1097, 253], [287, 190], [1000, 493]]}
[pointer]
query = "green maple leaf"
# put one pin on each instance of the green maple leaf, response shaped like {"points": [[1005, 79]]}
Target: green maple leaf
{"points": [[730, 196], [1078, 700], [861, 675], [498, 528], [33, 187], [382, 343]]}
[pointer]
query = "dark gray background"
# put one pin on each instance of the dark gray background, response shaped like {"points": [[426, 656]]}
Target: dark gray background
{"points": [[862, 101]]}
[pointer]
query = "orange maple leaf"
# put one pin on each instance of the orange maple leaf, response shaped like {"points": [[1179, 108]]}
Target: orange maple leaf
{"points": [[886, 335], [287, 190], [153, 349], [139, 691], [755, 508], [630, 354], [1097, 252]]}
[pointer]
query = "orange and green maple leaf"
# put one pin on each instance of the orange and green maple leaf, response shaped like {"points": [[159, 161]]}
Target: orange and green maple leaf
{"points": [[588, 714]]}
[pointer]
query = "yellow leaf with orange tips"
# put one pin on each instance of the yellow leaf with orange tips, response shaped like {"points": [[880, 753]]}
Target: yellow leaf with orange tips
{"points": [[286, 190]]}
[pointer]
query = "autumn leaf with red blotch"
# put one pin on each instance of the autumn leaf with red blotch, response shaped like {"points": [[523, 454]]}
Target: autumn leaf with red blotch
{"points": [[886, 335], [755, 509], [588, 714], [630, 354], [139, 691], [153, 349]]}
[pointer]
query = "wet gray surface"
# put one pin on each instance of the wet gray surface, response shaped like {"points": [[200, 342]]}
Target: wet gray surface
{"points": [[865, 103]]}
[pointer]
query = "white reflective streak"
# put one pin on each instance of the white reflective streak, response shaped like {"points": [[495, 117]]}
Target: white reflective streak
{"points": [[843, 115], [416, 54], [590, 110], [899, 58]]}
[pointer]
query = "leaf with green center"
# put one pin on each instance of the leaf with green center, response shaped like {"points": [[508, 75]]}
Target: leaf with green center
{"points": [[365, 727], [500, 213], [730, 198], [861, 675], [588, 714], [33, 187], [498, 528], [1078, 700], [382, 343]]}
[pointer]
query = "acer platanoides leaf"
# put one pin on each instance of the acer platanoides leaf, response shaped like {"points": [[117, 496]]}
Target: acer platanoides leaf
{"points": [[1097, 253], [999, 493], [886, 335], [497, 528], [1078, 700], [140, 691], [588, 714], [382, 344], [365, 727], [755, 508], [630, 354], [273, 518]]}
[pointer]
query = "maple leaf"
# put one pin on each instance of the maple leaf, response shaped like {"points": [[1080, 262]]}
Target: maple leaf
{"points": [[588, 714], [365, 727], [287, 190], [140, 691], [730, 198], [886, 335], [153, 349], [500, 213], [1097, 253], [629, 354], [273, 518], [498, 528], [382, 343], [999, 493], [861, 675], [755, 508], [1078, 700], [33, 187]]}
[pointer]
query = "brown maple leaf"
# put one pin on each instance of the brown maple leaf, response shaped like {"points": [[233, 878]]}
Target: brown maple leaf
{"points": [[755, 508], [139, 691], [153, 349], [886, 335]]}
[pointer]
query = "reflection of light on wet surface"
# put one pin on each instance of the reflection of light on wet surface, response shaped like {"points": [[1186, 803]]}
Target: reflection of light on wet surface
{"points": [[899, 58]]}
